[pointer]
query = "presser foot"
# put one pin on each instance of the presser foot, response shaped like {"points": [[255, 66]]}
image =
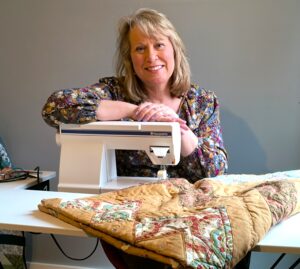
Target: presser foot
{"points": [[162, 173]]}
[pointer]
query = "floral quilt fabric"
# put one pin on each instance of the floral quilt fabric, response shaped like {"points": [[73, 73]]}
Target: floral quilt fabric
{"points": [[207, 224]]}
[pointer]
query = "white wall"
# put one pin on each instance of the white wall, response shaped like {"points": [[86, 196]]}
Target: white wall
{"points": [[246, 50]]}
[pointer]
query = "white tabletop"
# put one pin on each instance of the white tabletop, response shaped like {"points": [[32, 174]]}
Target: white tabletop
{"points": [[19, 212], [283, 237]]}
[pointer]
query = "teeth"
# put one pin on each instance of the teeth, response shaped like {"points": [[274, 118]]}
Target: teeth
{"points": [[154, 68]]}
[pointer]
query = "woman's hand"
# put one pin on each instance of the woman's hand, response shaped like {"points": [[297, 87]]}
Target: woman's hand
{"points": [[158, 112], [162, 113]]}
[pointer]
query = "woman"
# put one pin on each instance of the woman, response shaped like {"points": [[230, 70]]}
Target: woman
{"points": [[152, 84]]}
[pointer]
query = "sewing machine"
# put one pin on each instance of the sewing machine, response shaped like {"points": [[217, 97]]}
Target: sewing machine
{"points": [[87, 155]]}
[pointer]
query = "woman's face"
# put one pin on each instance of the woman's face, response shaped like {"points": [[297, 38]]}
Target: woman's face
{"points": [[152, 58]]}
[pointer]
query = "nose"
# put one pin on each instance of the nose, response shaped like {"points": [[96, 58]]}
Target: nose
{"points": [[151, 54]]}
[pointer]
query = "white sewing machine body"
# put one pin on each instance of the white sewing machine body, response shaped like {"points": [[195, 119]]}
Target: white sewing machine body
{"points": [[87, 156]]}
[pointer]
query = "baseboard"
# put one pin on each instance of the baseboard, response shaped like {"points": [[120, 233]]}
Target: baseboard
{"points": [[37, 265]]}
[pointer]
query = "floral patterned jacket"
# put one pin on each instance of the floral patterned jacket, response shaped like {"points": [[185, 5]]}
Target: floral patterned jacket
{"points": [[199, 108]]}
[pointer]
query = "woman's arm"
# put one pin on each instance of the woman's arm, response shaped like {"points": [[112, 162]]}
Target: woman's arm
{"points": [[83, 105], [115, 110], [209, 157], [189, 142], [76, 105]]}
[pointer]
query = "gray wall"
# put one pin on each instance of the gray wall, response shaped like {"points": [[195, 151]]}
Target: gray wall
{"points": [[245, 50]]}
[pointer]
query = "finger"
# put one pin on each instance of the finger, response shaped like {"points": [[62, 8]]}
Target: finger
{"points": [[142, 106], [184, 127], [156, 113], [142, 111], [168, 111], [152, 112], [180, 121], [152, 115]]}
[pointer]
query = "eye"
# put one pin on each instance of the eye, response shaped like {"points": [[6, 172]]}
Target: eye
{"points": [[140, 49], [159, 45]]}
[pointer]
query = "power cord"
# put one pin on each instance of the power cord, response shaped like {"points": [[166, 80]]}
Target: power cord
{"points": [[60, 248], [23, 252], [71, 258]]}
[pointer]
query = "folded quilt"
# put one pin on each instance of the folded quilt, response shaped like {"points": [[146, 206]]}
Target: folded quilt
{"points": [[208, 224]]}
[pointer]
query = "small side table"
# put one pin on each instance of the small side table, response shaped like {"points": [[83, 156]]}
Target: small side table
{"points": [[41, 183], [30, 183]]}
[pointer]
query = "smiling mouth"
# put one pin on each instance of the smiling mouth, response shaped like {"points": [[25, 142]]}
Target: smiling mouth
{"points": [[154, 68]]}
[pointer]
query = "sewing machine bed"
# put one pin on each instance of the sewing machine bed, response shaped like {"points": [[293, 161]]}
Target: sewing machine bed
{"points": [[213, 222]]}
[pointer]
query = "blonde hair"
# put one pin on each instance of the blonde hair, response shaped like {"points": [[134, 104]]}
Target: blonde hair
{"points": [[150, 22]]}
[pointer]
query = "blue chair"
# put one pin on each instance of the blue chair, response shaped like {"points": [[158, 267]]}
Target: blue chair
{"points": [[5, 160], [12, 243]]}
